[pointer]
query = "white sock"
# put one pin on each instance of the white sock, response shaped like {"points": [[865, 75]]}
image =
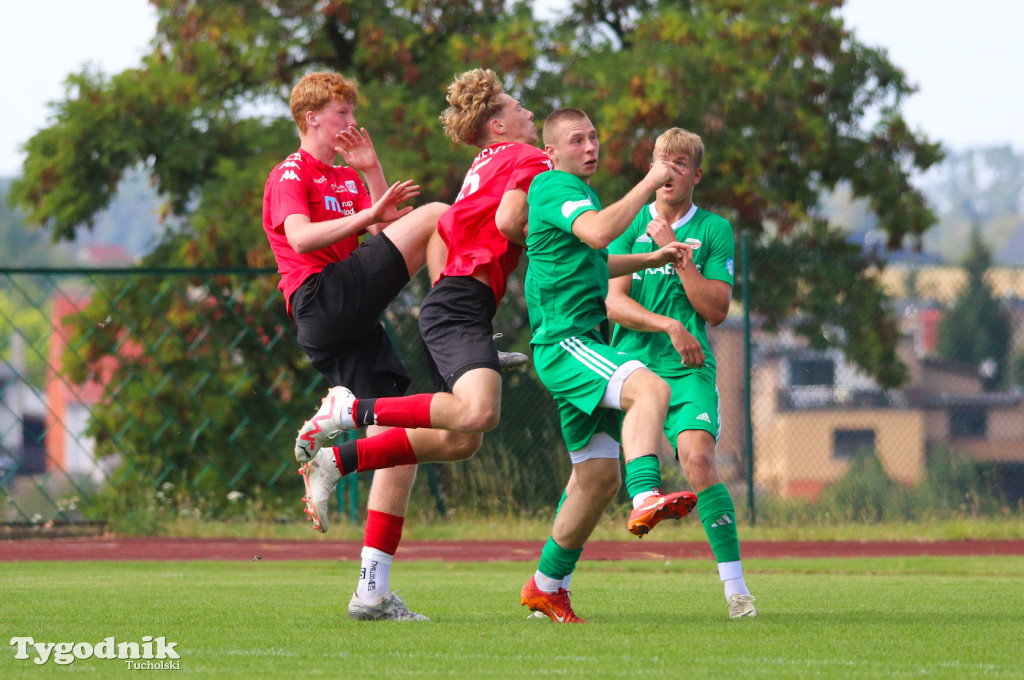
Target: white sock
{"points": [[546, 583], [731, 574], [642, 496], [565, 581], [373, 575]]}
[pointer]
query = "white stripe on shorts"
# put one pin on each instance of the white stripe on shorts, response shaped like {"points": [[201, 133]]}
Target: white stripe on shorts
{"points": [[588, 357]]}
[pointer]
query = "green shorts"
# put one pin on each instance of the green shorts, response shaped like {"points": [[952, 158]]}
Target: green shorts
{"points": [[577, 372], [694, 406]]}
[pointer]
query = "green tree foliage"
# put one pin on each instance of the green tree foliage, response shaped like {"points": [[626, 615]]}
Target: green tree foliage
{"points": [[195, 114], [205, 115], [780, 90], [202, 384], [781, 93], [978, 328]]}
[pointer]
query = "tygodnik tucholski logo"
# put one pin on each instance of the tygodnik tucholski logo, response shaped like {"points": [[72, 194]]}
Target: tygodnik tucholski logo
{"points": [[150, 654]]}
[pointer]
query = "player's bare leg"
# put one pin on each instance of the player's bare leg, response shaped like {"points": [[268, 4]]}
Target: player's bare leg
{"points": [[415, 236], [645, 398], [718, 516]]}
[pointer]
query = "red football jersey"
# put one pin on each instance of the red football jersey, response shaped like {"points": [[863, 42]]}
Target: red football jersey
{"points": [[302, 185], [468, 226]]}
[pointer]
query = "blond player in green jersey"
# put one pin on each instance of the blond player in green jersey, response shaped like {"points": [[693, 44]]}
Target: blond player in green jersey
{"points": [[661, 315]]}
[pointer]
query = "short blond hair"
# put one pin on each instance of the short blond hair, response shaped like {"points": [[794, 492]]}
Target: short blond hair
{"points": [[317, 90], [677, 141], [473, 100], [553, 123]]}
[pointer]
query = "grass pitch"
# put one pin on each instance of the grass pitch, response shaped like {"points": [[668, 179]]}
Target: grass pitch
{"points": [[949, 617]]}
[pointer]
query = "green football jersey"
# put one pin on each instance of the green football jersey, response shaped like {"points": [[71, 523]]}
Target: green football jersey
{"points": [[660, 290], [567, 280]]}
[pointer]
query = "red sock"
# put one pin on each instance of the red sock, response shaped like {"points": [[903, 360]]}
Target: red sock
{"points": [[383, 531], [384, 450], [412, 411]]}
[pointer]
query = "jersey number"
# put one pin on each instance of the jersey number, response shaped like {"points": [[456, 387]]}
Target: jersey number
{"points": [[472, 181]]}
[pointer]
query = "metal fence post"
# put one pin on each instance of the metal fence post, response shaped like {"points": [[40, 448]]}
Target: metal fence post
{"points": [[747, 419]]}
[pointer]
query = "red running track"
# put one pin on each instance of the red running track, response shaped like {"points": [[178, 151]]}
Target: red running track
{"points": [[160, 549]]}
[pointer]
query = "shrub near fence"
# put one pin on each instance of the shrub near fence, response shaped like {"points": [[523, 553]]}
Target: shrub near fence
{"points": [[130, 396]]}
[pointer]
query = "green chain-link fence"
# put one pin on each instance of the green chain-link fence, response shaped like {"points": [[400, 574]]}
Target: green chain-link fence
{"points": [[951, 439], [125, 394]]}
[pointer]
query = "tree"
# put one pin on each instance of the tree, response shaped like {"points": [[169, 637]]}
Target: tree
{"points": [[977, 329], [194, 113], [194, 117], [779, 89]]}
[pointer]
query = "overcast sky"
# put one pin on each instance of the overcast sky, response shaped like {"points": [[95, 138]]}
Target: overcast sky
{"points": [[965, 57]]}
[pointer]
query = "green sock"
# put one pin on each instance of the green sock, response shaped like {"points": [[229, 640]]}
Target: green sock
{"points": [[643, 474], [718, 515], [556, 562], [565, 494]]}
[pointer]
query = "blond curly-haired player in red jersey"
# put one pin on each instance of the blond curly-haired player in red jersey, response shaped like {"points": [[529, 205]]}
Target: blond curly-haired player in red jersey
{"points": [[484, 231]]}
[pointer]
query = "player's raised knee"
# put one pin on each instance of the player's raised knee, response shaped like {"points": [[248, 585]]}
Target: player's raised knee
{"points": [[482, 418]]}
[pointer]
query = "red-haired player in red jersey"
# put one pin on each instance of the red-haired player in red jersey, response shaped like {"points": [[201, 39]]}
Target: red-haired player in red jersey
{"points": [[484, 230], [337, 289]]}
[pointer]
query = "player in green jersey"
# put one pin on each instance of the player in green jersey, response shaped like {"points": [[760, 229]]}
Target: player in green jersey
{"points": [[566, 285], [661, 316]]}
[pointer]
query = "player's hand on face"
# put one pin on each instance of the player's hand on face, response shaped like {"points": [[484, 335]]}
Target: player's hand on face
{"points": [[691, 354], [660, 230], [386, 208], [356, 148], [662, 172]]}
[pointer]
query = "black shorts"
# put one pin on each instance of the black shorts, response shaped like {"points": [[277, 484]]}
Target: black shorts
{"points": [[455, 322], [338, 312]]}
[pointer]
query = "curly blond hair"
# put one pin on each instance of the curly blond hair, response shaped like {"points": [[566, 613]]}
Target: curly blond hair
{"points": [[317, 90], [677, 142], [473, 100]]}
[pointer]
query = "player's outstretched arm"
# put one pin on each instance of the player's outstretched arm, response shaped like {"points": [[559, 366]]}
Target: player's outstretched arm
{"points": [[305, 236], [671, 253], [599, 228], [386, 209]]}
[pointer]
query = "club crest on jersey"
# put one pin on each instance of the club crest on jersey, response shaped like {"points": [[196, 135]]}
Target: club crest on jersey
{"points": [[350, 185], [694, 244]]}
